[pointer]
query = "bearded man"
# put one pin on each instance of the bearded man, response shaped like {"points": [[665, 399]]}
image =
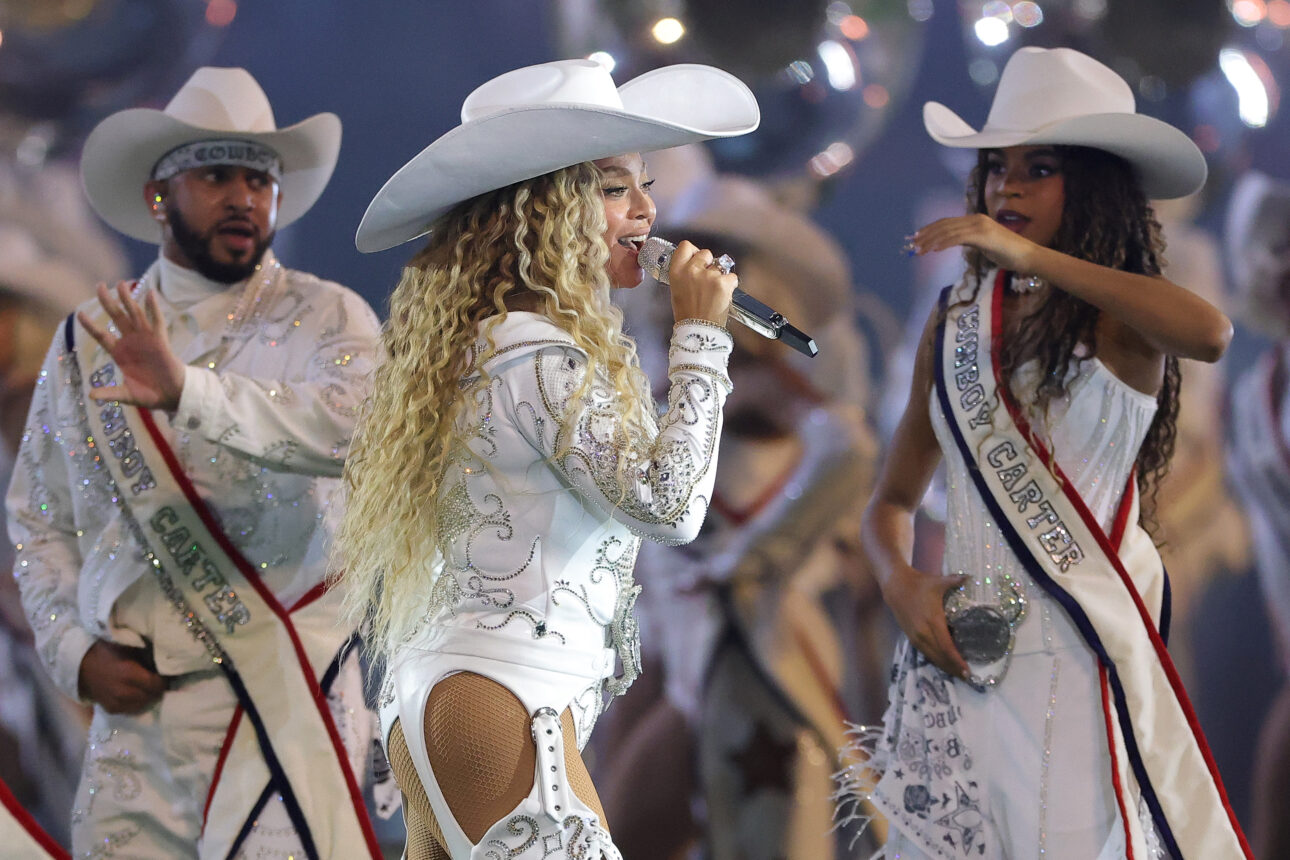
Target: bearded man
{"points": [[174, 490]]}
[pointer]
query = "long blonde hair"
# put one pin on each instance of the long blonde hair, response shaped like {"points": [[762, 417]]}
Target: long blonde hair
{"points": [[543, 237]]}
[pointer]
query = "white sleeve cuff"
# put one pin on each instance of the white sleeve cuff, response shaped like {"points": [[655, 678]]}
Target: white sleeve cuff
{"points": [[196, 402], [701, 346]]}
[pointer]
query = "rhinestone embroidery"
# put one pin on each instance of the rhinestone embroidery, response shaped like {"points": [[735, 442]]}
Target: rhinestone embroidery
{"points": [[505, 564], [71, 518]]}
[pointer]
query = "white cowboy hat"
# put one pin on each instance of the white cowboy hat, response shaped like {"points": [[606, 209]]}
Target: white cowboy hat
{"points": [[1257, 236], [744, 211], [537, 119], [1060, 96], [29, 272], [122, 150]]}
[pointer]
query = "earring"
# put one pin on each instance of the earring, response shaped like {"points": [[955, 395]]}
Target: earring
{"points": [[1026, 283]]}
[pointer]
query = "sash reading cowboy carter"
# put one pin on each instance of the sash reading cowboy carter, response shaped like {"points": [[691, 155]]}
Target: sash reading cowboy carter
{"points": [[1154, 738], [282, 737]]}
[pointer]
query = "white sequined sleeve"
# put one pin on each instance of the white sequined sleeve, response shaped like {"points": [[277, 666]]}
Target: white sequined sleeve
{"points": [[658, 488], [304, 422], [47, 555]]}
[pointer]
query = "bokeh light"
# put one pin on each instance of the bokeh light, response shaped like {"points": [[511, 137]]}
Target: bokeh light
{"points": [[1249, 12], [1028, 14], [854, 27], [1255, 103], [991, 31], [220, 13], [668, 31], [604, 58]]}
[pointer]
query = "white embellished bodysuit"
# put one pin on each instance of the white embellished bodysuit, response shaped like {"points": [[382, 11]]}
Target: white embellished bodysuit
{"points": [[541, 519], [1034, 747]]}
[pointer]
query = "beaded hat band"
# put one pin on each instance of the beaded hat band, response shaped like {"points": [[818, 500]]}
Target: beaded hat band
{"points": [[204, 153]]}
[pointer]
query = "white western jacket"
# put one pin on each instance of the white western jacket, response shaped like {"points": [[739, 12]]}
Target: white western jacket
{"points": [[263, 436]]}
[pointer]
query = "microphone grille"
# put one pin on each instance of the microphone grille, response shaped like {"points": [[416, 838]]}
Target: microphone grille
{"points": [[655, 258]]}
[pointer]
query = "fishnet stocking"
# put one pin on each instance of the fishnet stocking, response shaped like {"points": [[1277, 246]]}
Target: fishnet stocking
{"points": [[425, 839], [576, 769], [479, 741]]}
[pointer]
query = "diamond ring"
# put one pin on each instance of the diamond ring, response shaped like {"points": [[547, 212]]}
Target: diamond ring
{"points": [[725, 263]]}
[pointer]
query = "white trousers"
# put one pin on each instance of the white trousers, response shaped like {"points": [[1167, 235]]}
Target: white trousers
{"points": [[146, 776]]}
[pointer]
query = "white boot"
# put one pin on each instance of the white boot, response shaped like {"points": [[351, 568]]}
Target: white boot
{"points": [[551, 822]]}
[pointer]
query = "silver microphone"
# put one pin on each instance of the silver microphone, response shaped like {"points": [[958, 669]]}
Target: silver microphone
{"points": [[656, 258]]}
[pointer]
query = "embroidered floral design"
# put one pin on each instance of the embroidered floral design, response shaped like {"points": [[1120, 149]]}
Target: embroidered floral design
{"points": [[463, 523], [580, 838], [538, 625], [918, 800], [108, 845], [524, 827], [654, 483]]}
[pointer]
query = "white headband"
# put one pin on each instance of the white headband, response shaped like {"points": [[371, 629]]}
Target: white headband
{"points": [[203, 153]]}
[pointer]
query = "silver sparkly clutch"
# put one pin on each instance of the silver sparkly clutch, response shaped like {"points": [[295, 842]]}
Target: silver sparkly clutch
{"points": [[983, 618]]}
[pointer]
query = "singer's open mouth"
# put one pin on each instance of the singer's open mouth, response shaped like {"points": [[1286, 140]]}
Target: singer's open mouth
{"points": [[1014, 221], [633, 243]]}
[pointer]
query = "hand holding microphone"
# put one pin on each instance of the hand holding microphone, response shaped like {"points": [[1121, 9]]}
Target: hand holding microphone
{"points": [[699, 288], [656, 259]]}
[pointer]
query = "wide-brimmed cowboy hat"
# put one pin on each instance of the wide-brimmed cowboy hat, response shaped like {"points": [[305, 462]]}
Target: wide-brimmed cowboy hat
{"points": [[537, 119], [1060, 96], [744, 211], [122, 150], [29, 272]]}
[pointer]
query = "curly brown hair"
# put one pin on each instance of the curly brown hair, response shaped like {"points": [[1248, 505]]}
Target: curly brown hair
{"points": [[1107, 220]]}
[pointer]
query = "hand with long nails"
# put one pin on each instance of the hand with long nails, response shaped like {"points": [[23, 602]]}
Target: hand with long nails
{"points": [[1003, 247], [151, 375], [917, 600]]}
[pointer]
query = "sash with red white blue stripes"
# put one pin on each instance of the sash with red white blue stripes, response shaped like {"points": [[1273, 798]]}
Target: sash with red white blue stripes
{"points": [[277, 659], [1112, 586]]}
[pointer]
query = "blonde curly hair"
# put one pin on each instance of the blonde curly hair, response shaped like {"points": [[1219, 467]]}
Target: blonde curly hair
{"points": [[540, 241]]}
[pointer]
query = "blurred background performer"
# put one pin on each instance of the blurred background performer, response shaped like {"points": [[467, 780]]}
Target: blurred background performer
{"points": [[173, 493], [752, 631], [511, 459], [52, 250], [1200, 528], [1258, 237]]}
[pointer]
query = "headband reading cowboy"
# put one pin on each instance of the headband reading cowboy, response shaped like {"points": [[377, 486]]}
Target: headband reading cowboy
{"points": [[203, 153]]}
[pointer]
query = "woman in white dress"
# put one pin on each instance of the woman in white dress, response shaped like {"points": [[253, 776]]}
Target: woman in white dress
{"points": [[1037, 713], [510, 459]]}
